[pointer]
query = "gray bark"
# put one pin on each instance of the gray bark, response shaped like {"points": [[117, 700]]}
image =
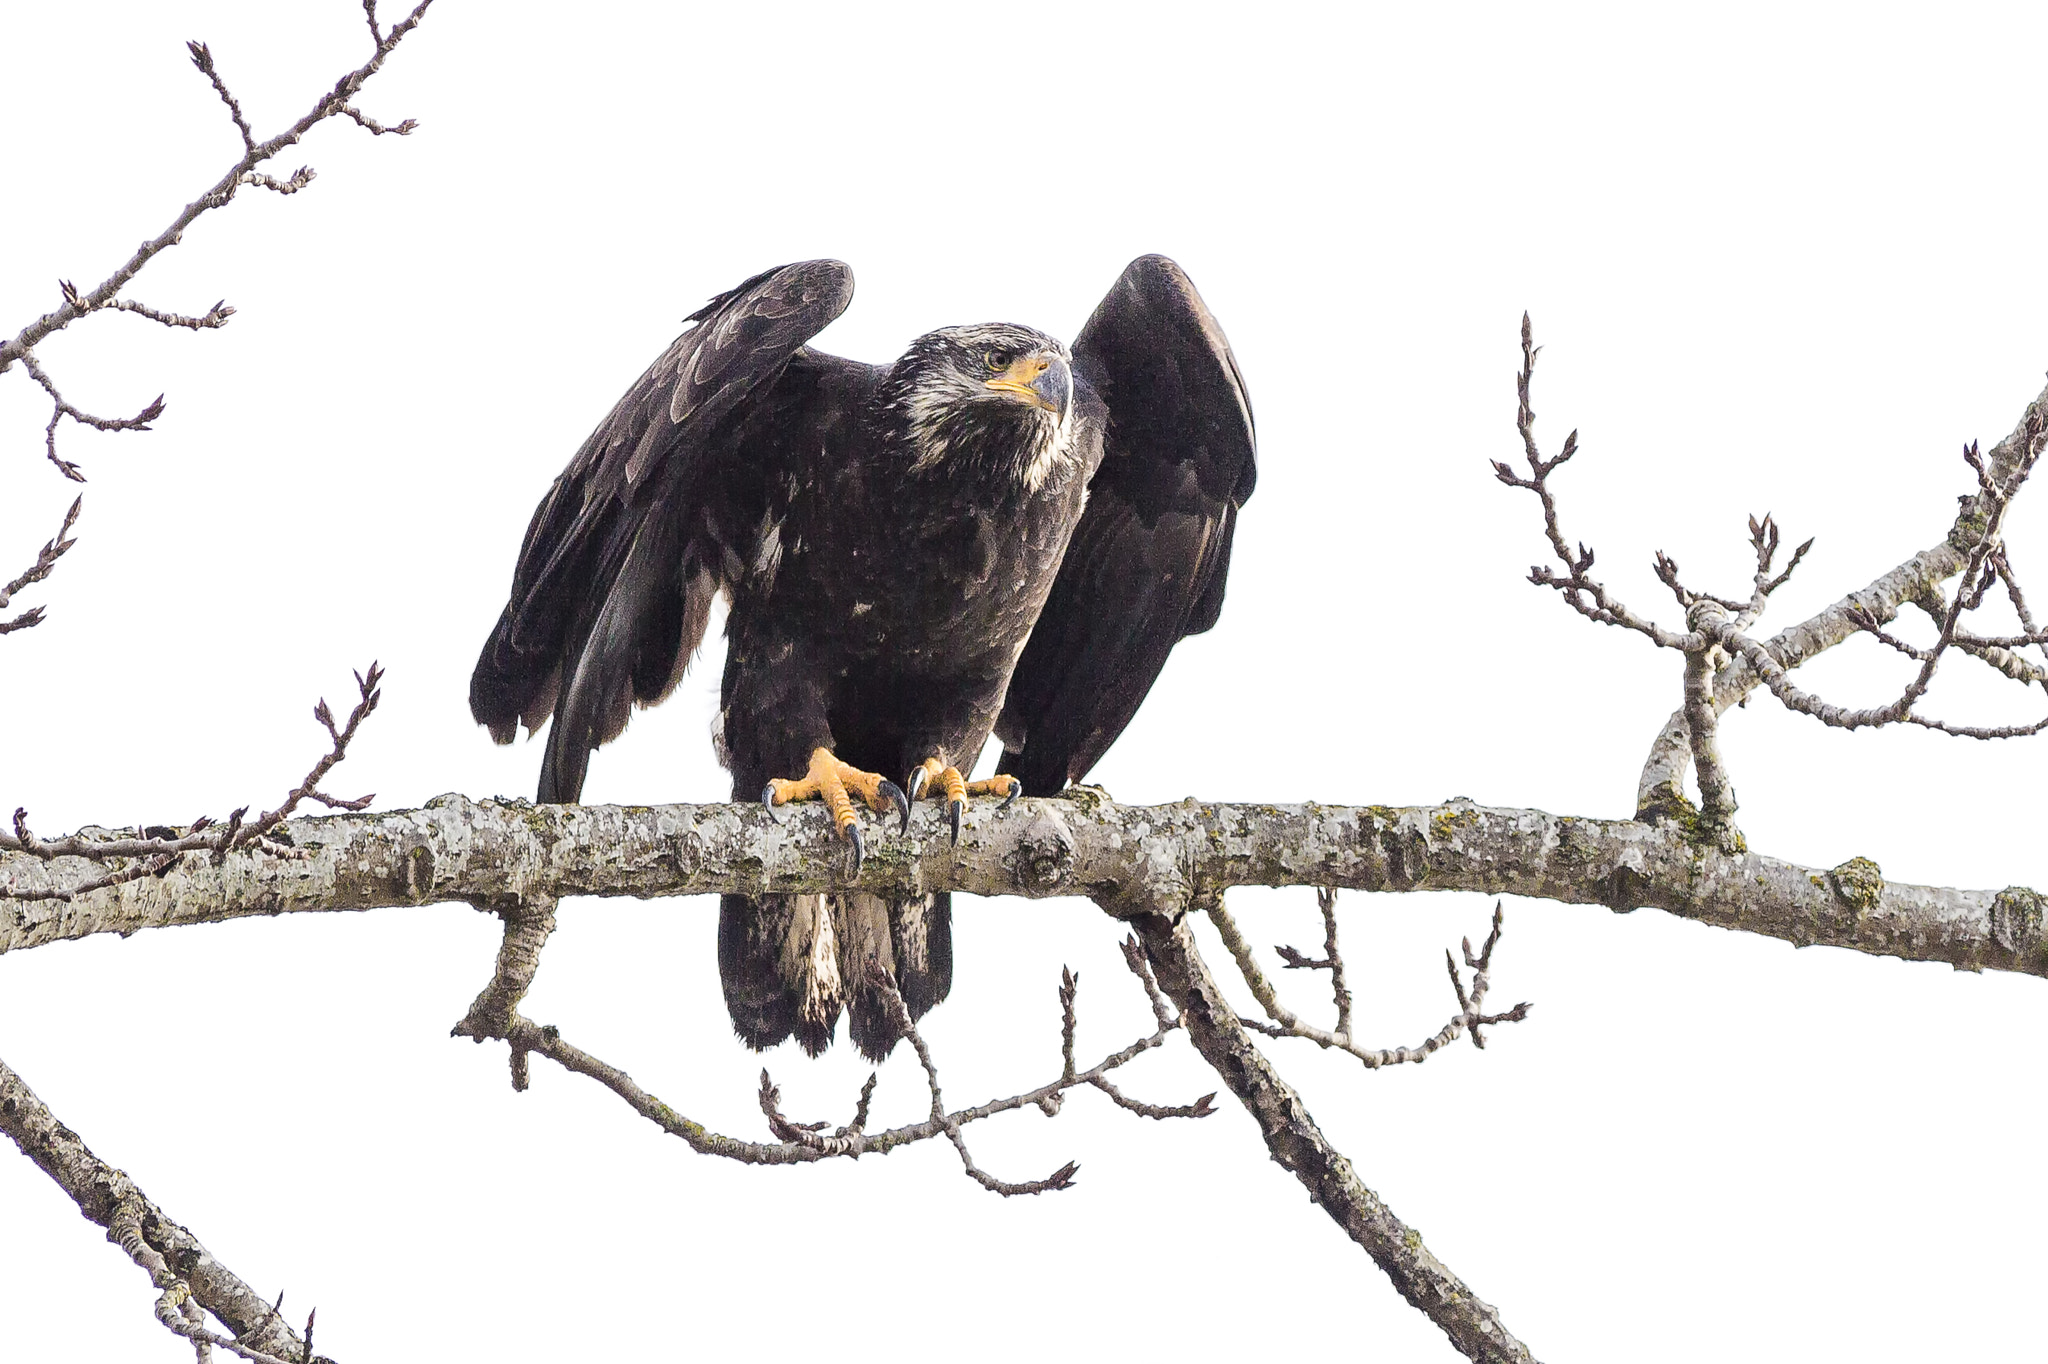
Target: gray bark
{"points": [[172, 1256], [1129, 859]]}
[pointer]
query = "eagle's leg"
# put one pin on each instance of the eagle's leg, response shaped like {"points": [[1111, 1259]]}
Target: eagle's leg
{"points": [[941, 782], [836, 783]]}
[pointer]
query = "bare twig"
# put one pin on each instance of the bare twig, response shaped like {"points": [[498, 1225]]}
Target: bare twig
{"points": [[46, 559], [1763, 535], [364, 120], [495, 1016], [60, 408], [158, 851], [105, 295], [1070, 989], [1326, 901], [203, 59], [212, 319], [291, 184], [367, 697], [1584, 593], [1332, 959], [1285, 1023]]}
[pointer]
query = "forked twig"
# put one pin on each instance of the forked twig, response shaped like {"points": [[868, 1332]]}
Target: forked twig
{"points": [[105, 296], [797, 1142], [1284, 1022]]}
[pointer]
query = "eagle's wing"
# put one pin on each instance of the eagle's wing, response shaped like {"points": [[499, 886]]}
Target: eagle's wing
{"points": [[656, 511], [1145, 567]]}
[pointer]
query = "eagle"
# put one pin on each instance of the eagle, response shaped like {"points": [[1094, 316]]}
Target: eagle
{"points": [[995, 533]]}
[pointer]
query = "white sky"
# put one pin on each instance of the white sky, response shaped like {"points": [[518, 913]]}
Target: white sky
{"points": [[1780, 261]]}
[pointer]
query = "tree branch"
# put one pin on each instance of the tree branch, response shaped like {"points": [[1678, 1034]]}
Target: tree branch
{"points": [[178, 1265], [1285, 1023], [1126, 858], [106, 294], [1661, 786], [46, 559], [495, 1015]]}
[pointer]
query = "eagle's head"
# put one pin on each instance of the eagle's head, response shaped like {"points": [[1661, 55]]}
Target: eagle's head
{"points": [[995, 397]]}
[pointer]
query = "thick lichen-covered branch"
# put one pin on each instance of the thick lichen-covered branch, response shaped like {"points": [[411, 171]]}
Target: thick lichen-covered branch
{"points": [[184, 1271], [1127, 858]]}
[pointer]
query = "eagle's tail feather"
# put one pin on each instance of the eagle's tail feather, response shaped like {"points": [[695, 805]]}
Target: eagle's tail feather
{"points": [[751, 933], [922, 932], [790, 963]]}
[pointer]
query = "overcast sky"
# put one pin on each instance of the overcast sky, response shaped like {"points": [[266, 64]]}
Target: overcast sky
{"points": [[1778, 263]]}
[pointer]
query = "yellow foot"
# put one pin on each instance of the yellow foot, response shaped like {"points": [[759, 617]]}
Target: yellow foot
{"points": [[945, 783], [836, 783]]}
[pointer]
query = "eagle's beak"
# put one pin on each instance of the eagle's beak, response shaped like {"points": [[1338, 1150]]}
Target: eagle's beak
{"points": [[1039, 379]]}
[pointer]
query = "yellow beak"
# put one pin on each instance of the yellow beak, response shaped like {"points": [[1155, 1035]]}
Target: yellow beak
{"points": [[1017, 379]]}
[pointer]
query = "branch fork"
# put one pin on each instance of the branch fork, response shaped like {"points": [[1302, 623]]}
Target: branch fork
{"points": [[1724, 661]]}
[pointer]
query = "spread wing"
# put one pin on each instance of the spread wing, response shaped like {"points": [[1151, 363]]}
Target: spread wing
{"points": [[653, 515], [1146, 565]]}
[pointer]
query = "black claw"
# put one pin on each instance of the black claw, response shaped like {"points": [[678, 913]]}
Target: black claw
{"points": [[1016, 790], [768, 801], [853, 837], [954, 807], [895, 793], [918, 778]]}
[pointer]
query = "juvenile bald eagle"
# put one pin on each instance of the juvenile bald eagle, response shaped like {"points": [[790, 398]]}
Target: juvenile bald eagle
{"points": [[992, 533]]}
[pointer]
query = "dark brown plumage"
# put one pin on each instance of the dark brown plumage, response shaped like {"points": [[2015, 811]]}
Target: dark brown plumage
{"points": [[888, 538]]}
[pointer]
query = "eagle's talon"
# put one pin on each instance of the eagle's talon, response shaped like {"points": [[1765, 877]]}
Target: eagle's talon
{"points": [[838, 785], [854, 853], [768, 802], [894, 792], [933, 777]]}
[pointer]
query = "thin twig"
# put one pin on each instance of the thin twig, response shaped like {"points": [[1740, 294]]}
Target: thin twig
{"points": [[495, 1015], [154, 854], [60, 408], [1286, 1023], [80, 303], [46, 559]]}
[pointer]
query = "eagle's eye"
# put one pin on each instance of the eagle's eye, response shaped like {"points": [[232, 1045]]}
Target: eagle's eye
{"points": [[998, 360]]}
